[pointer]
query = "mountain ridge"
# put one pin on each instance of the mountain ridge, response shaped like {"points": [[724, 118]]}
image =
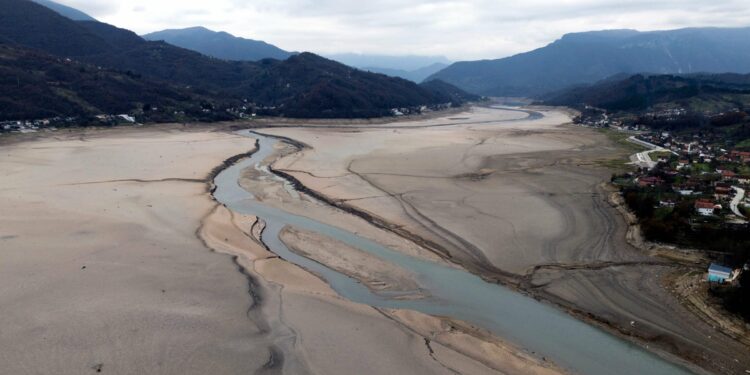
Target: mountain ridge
{"points": [[694, 93], [304, 85], [417, 75], [581, 58], [219, 44], [65, 10]]}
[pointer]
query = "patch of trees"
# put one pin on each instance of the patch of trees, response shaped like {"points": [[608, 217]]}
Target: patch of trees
{"points": [[677, 225], [58, 67], [737, 300], [690, 121]]}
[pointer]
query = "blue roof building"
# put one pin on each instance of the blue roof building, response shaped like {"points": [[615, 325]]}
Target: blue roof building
{"points": [[718, 274]]}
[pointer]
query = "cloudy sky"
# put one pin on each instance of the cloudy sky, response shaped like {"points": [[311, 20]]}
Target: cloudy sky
{"points": [[465, 29]]}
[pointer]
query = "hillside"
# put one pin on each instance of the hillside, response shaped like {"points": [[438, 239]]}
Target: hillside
{"points": [[457, 95], [306, 85], [65, 11], [416, 75], [221, 45], [405, 62], [694, 93], [583, 58], [36, 85], [35, 26]]}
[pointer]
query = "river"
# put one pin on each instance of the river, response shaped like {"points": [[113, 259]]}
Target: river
{"points": [[532, 325]]}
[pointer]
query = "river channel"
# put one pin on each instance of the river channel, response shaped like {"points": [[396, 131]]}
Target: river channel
{"points": [[529, 324]]}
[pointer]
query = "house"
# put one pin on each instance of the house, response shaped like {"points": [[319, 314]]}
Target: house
{"points": [[704, 207], [727, 175], [740, 156], [666, 203], [722, 191], [685, 191], [649, 181], [743, 179], [718, 274]]}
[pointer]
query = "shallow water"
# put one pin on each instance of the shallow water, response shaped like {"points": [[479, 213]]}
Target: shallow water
{"points": [[523, 321]]}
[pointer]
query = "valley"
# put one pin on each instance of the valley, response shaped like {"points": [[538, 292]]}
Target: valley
{"points": [[379, 221], [421, 187]]}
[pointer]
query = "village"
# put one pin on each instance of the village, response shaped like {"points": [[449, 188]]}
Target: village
{"points": [[689, 188], [31, 126], [678, 170]]}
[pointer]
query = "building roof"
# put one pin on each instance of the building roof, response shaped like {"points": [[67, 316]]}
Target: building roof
{"points": [[704, 204], [719, 270]]}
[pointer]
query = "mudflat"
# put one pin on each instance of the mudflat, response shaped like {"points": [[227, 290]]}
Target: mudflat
{"points": [[100, 265], [521, 202], [114, 258]]}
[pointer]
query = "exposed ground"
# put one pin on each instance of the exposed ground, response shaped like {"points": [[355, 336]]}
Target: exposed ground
{"points": [[520, 202], [115, 259]]}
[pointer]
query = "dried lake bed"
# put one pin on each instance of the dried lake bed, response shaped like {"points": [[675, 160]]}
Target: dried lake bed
{"points": [[115, 256]]}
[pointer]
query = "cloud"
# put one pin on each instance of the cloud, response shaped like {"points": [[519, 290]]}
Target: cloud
{"points": [[465, 29]]}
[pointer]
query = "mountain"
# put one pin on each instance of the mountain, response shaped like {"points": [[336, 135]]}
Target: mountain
{"points": [[446, 89], [221, 45], [696, 93], [406, 63], [65, 11], [36, 85], [417, 75], [307, 85], [32, 25], [588, 57], [304, 85]]}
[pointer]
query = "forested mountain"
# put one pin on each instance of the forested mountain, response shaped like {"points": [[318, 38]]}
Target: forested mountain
{"points": [[411, 67], [66, 11], [36, 85], [416, 75], [698, 93], [404, 62], [304, 85], [582, 58], [456, 94], [221, 45]]}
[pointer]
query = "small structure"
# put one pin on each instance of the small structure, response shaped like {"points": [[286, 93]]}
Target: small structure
{"points": [[649, 181], [727, 175], [127, 118], [705, 208], [722, 192], [718, 274]]}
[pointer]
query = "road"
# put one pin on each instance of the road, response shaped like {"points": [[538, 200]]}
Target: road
{"points": [[738, 197], [643, 159]]}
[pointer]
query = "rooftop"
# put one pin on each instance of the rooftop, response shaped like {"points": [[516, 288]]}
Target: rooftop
{"points": [[717, 269]]}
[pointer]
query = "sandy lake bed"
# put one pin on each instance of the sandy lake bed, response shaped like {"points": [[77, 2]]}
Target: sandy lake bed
{"points": [[115, 258], [520, 201]]}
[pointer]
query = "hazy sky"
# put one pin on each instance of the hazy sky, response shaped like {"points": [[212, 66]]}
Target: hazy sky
{"points": [[467, 29]]}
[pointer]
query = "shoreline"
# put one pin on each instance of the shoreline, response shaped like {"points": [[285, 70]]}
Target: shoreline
{"points": [[519, 283], [513, 358], [100, 250], [645, 340], [255, 230], [689, 261], [7, 138]]}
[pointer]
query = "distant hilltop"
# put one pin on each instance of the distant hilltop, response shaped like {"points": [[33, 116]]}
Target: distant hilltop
{"points": [[582, 58], [219, 44], [65, 11], [57, 67]]}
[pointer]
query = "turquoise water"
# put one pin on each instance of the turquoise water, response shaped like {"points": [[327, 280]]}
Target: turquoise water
{"points": [[523, 321]]}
